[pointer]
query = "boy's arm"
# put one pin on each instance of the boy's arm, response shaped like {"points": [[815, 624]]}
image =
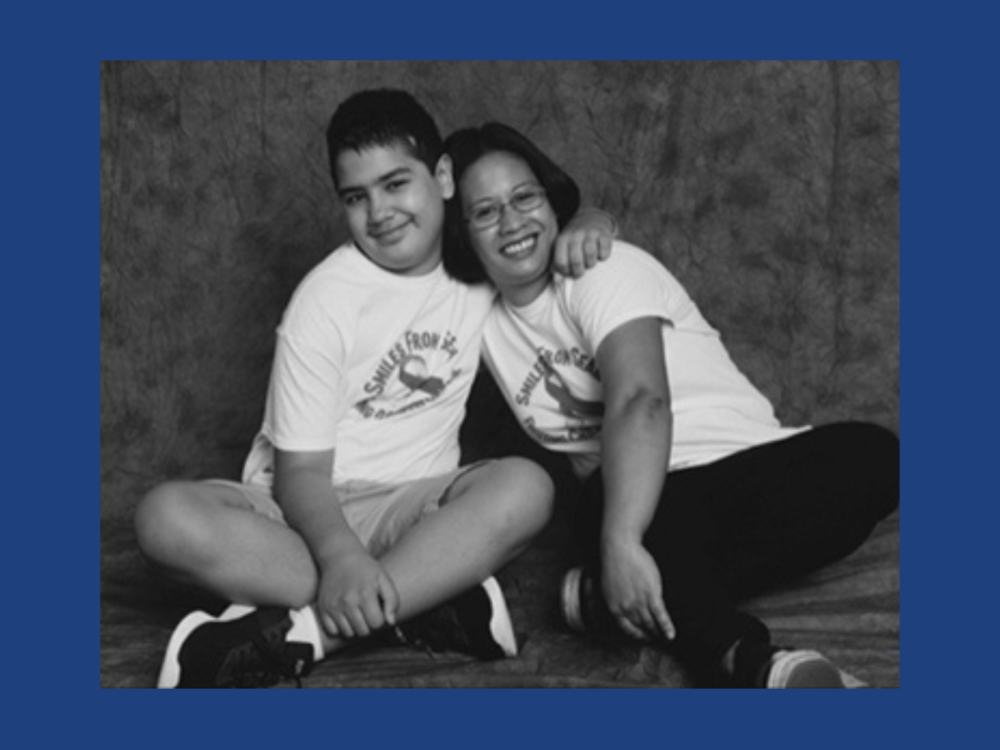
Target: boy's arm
{"points": [[354, 594], [635, 453], [584, 241]]}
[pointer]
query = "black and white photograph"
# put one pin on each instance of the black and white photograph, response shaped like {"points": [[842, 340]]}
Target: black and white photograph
{"points": [[500, 374]]}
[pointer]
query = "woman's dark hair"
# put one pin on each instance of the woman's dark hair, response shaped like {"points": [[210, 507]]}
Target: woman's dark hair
{"points": [[469, 145]]}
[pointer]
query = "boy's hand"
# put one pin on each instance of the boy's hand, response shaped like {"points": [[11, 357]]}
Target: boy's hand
{"points": [[634, 593], [584, 241], [356, 596]]}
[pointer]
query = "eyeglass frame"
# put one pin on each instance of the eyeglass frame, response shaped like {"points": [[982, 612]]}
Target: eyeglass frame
{"points": [[502, 206]]}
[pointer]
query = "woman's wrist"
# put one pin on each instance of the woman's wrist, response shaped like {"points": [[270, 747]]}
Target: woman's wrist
{"points": [[616, 540]]}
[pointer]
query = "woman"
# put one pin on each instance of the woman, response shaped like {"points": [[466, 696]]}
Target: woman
{"points": [[694, 495]]}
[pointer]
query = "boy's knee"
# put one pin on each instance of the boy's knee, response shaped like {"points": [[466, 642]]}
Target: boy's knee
{"points": [[528, 492], [165, 521], [517, 494], [532, 479]]}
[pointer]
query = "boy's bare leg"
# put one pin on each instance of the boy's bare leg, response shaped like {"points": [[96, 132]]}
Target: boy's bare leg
{"points": [[207, 536], [491, 515]]}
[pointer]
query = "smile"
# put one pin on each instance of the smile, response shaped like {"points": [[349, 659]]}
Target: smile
{"points": [[383, 234], [519, 249]]}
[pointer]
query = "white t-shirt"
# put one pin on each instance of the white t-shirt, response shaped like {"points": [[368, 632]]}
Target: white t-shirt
{"points": [[543, 355], [374, 365]]}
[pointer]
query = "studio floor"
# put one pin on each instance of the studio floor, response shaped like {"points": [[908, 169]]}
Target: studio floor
{"points": [[849, 611]]}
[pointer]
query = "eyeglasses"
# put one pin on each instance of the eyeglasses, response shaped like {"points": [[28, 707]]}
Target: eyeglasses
{"points": [[485, 215]]}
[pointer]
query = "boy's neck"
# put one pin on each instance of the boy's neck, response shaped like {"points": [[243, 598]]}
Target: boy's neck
{"points": [[432, 264]]}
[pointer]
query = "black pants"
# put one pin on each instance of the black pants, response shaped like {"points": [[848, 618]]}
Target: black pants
{"points": [[733, 528]]}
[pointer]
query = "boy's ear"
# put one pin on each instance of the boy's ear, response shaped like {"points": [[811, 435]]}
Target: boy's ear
{"points": [[443, 174]]}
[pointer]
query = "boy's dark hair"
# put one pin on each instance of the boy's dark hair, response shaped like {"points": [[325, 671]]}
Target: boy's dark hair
{"points": [[383, 117], [466, 147]]}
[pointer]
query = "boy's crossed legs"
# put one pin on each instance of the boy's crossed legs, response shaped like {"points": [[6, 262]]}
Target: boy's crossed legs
{"points": [[435, 539]]}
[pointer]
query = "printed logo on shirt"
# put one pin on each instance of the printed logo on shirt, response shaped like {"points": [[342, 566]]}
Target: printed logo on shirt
{"points": [[544, 372], [583, 416], [410, 375]]}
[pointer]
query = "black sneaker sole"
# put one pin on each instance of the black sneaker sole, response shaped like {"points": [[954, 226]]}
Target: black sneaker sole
{"points": [[170, 671]]}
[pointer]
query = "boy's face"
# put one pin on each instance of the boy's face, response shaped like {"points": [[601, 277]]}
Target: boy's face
{"points": [[395, 206]]}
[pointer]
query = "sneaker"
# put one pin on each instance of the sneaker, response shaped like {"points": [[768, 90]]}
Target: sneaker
{"points": [[476, 622], [583, 606], [802, 669], [242, 647]]}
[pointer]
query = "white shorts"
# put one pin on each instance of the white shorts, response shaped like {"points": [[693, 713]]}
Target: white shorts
{"points": [[378, 513]]}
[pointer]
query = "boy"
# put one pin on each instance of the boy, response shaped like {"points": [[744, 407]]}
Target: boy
{"points": [[353, 514]]}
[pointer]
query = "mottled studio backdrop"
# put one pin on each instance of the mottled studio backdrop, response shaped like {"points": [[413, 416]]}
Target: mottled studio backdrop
{"points": [[771, 189]]}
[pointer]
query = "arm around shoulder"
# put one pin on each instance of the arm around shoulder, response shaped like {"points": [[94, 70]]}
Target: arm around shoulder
{"points": [[585, 240]]}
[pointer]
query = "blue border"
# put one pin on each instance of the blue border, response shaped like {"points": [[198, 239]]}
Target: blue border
{"points": [[53, 163]]}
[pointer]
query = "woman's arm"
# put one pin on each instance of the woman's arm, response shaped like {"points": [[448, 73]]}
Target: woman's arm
{"points": [[635, 453]]}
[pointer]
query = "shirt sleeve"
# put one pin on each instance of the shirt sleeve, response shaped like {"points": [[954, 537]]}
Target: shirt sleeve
{"points": [[629, 285], [306, 394]]}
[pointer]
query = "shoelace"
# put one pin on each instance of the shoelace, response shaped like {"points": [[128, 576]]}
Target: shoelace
{"points": [[413, 640], [435, 632], [265, 663]]}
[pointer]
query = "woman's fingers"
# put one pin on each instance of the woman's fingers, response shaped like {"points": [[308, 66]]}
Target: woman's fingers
{"points": [[630, 629]]}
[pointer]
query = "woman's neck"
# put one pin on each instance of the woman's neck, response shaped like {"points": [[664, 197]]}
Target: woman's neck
{"points": [[522, 295]]}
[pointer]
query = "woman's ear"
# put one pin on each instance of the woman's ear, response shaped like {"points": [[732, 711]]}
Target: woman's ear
{"points": [[443, 174]]}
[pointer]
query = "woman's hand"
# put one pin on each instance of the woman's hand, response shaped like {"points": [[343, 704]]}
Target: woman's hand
{"points": [[633, 592], [356, 596]]}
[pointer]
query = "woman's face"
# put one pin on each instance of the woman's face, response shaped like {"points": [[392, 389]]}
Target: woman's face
{"points": [[515, 251]]}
